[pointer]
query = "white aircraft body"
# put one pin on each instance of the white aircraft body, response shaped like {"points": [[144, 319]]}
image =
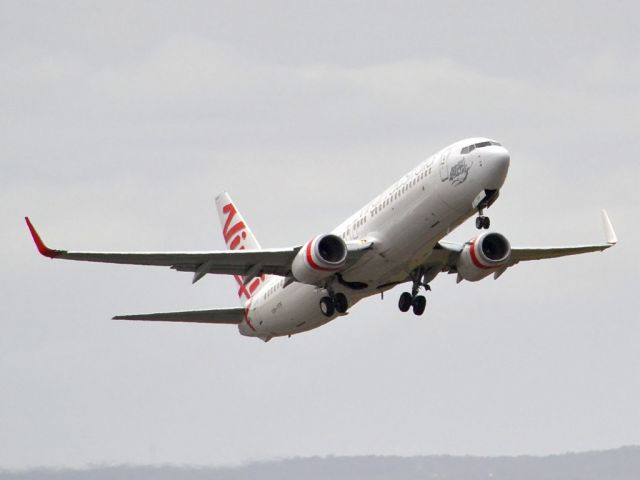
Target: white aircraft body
{"points": [[396, 238]]}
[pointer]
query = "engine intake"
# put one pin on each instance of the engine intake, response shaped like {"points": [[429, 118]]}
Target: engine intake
{"points": [[483, 255], [319, 258]]}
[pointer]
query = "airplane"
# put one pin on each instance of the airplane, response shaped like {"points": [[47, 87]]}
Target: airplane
{"points": [[394, 239]]}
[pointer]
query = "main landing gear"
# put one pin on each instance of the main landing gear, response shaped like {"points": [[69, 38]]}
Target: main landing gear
{"points": [[419, 303], [334, 303], [412, 299]]}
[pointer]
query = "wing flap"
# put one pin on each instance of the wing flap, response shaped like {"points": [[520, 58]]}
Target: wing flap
{"points": [[231, 316]]}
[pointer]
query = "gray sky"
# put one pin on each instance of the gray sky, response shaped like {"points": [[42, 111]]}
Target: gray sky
{"points": [[120, 122]]}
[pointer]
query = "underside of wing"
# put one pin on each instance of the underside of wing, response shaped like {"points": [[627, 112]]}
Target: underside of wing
{"points": [[522, 254], [233, 316], [233, 262], [247, 264], [455, 257]]}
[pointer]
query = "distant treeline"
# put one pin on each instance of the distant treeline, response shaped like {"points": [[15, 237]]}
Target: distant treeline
{"points": [[619, 464]]}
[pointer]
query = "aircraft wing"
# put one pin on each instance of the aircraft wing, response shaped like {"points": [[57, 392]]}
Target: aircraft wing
{"points": [[233, 316], [540, 253], [446, 253], [245, 263], [234, 262]]}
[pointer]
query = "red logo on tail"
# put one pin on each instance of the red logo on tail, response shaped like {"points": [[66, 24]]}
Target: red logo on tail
{"points": [[234, 235]]}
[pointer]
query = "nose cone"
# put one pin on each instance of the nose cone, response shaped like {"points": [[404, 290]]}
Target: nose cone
{"points": [[498, 160]]}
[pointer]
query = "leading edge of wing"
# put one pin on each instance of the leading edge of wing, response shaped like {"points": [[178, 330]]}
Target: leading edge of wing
{"points": [[519, 254], [447, 253], [236, 262], [230, 316]]}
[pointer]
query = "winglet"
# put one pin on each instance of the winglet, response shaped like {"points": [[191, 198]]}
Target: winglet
{"points": [[610, 233], [42, 248]]}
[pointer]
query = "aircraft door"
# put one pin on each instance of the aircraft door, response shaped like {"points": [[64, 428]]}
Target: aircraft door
{"points": [[443, 165]]}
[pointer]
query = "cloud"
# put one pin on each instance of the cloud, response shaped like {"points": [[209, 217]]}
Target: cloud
{"points": [[117, 137]]}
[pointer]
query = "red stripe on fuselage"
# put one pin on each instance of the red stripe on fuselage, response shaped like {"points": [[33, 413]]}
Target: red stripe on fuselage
{"points": [[246, 315]]}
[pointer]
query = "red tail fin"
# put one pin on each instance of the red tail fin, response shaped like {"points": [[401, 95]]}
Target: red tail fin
{"points": [[238, 236]]}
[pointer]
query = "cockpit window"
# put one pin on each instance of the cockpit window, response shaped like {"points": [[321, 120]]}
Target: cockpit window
{"points": [[471, 148]]}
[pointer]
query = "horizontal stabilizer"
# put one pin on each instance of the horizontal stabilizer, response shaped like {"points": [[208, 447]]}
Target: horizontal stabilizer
{"points": [[233, 316]]}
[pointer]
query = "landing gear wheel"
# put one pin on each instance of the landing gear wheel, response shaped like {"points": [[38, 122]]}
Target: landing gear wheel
{"points": [[404, 304], [482, 222], [327, 307], [419, 304], [340, 302]]}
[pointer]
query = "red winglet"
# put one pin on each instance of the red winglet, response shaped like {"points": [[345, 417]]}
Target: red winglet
{"points": [[42, 248]]}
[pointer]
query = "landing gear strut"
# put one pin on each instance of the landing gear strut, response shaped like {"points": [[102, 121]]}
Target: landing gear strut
{"points": [[490, 196], [418, 302], [334, 303], [481, 220]]}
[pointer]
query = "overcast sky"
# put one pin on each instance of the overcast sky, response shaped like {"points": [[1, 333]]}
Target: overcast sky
{"points": [[121, 121]]}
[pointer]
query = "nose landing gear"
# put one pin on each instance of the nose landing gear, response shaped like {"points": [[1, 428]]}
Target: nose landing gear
{"points": [[489, 196], [482, 222]]}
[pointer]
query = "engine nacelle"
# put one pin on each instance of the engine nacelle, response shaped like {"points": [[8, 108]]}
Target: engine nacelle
{"points": [[483, 255], [319, 258]]}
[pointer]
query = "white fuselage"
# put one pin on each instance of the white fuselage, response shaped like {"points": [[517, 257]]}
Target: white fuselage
{"points": [[404, 223]]}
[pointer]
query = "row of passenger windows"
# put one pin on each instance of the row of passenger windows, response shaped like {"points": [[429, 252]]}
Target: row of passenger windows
{"points": [[471, 148], [386, 202], [399, 192], [273, 289]]}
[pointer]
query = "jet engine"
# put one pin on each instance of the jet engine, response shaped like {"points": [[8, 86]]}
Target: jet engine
{"points": [[483, 255], [319, 258]]}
